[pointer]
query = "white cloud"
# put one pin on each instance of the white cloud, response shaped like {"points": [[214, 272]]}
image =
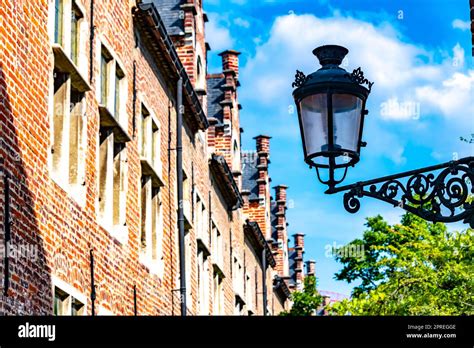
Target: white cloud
{"points": [[462, 25], [458, 56], [404, 73], [218, 36], [453, 97], [241, 22]]}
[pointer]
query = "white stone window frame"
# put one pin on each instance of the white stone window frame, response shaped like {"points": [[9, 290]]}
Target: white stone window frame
{"points": [[113, 63], [70, 291], [238, 276], [203, 282], [112, 210], [218, 293], [217, 246], [201, 219], [151, 255], [153, 137], [82, 59], [71, 181], [249, 291]]}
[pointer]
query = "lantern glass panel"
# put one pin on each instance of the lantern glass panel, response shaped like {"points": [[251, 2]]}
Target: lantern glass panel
{"points": [[347, 111], [314, 119]]}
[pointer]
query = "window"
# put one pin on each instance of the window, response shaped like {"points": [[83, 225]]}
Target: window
{"points": [[113, 157], [76, 17], [248, 293], [67, 102], [112, 183], [202, 232], [66, 304], [68, 134], [239, 308], [217, 247], [203, 282], [218, 294], [189, 254], [69, 31], [58, 21], [238, 278], [236, 157], [113, 90], [187, 201], [151, 232], [200, 74], [105, 60], [150, 141]]}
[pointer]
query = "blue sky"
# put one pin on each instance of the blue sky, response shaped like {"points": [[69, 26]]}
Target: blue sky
{"points": [[418, 53]]}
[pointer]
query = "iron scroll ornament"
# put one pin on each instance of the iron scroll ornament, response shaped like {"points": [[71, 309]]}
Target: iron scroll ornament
{"points": [[300, 79], [441, 198], [357, 76]]}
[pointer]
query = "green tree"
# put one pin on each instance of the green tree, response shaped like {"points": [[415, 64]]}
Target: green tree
{"points": [[411, 268], [307, 301]]}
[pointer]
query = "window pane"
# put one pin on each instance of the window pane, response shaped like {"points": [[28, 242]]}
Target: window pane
{"points": [[104, 81], [118, 182], [75, 135], [347, 113], [314, 119], [61, 302], [58, 21], [77, 307], [118, 77], [75, 32], [59, 119], [146, 182]]}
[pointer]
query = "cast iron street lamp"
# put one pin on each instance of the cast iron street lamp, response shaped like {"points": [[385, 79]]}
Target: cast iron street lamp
{"points": [[331, 106]]}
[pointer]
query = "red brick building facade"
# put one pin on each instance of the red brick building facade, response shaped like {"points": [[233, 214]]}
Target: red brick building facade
{"points": [[88, 189]]}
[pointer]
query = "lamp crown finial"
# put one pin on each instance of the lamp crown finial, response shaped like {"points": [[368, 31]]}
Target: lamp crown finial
{"points": [[330, 54]]}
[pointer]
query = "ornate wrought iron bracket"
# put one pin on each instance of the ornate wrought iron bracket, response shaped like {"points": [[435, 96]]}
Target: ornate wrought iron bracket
{"points": [[444, 197]]}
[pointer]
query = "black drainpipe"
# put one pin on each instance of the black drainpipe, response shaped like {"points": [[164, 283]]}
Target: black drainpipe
{"points": [[92, 284], [135, 300], [6, 223], [134, 103], [170, 134], [91, 43], [179, 168], [264, 281]]}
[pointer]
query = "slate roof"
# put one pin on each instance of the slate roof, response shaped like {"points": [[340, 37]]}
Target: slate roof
{"points": [[215, 94], [292, 264], [273, 219], [169, 13], [250, 173]]}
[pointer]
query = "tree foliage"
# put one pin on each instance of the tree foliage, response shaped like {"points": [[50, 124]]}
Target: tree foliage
{"points": [[307, 301], [412, 268]]}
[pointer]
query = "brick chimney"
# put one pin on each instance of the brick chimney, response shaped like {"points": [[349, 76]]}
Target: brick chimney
{"points": [[230, 62], [281, 230], [263, 154], [311, 267], [299, 271], [226, 138]]}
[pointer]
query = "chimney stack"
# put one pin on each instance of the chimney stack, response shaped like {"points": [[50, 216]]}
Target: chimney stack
{"points": [[263, 153], [280, 193], [299, 241], [281, 230], [311, 267], [230, 62], [299, 248]]}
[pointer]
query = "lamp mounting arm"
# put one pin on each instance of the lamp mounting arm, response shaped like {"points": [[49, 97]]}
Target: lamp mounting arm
{"points": [[437, 197]]}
